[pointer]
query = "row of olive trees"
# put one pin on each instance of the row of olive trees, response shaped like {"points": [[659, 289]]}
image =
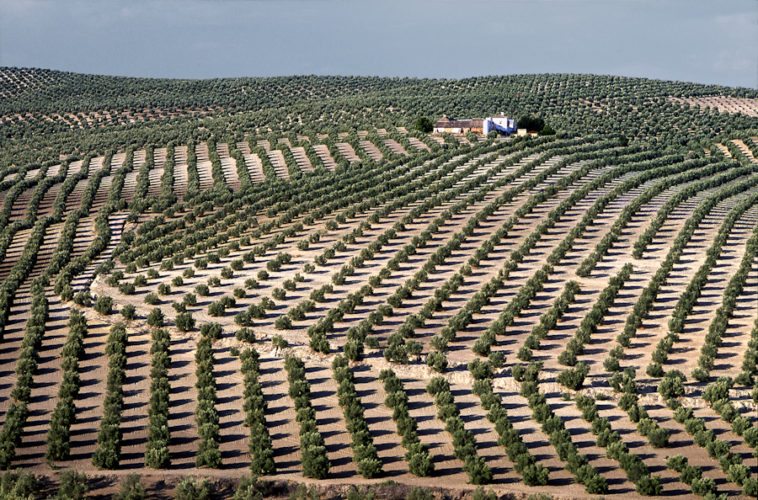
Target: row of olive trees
{"points": [[242, 172], [749, 373], [254, 403], [167, 197], [548, 320], [206, 414], [193, 176], [315, 461], [217, 172], [109, 439], [364, 452], [142, 183], [420, 463], [268, 168], [159, 436], [64, 414], [693, 477]]}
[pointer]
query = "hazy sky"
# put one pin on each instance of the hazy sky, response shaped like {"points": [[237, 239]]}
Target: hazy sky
{"points": [[708, 41]]}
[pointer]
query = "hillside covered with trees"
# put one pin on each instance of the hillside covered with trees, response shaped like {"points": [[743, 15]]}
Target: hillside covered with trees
{"points": [[260, 287]]}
